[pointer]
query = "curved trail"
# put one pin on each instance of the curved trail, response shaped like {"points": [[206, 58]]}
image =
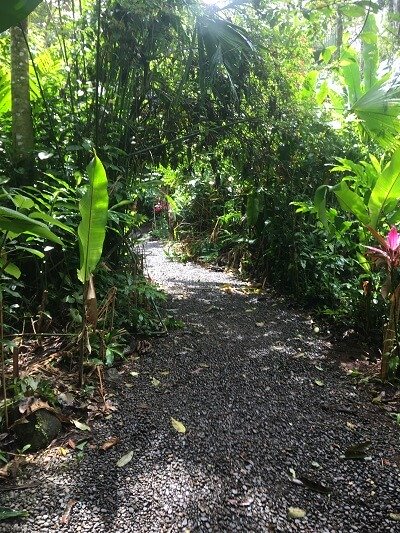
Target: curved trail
{"points": [[259, 397]]}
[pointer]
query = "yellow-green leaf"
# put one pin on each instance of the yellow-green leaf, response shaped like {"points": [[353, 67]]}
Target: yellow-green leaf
{"points": [[125, 459], [296, 512], [178, 426], [81, 425]]}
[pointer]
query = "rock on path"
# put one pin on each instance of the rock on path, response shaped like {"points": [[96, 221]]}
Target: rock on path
{"points": [[261, 401]]}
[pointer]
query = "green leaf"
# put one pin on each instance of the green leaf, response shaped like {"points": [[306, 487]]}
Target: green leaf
{"points": [[38, 215], [178, 426], [94, 212], [16, 222], [10, 269], [81, 425], [23, 202], [327, 53], [320, 204], [125, 459], [352, 11], [12, 12], [370, 54], [350, 201], [32, 251], [351, 73], [386, 189], [252, 210], [6, 513]]}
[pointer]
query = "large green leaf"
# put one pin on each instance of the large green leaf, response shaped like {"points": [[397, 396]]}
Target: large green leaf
{"points": [[12, 12], [370, 54], [350, 201], [5, 91], [351, 73], [386, 189], [252, 210], [16, 222], [94, 212]]}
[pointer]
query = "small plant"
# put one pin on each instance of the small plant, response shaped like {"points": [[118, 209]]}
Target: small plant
{"points": [[388, 258]]}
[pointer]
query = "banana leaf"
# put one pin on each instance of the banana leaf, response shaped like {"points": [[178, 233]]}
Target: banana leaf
{"points": [[12, 12], [94, 212], [386, 189], [350, 201]]}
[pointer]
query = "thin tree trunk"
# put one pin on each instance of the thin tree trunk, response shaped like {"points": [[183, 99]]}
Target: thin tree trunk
{"points": [[22, 125]]}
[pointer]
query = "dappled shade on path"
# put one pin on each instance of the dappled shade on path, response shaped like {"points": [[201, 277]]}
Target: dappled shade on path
{"points": [[263, 405]]}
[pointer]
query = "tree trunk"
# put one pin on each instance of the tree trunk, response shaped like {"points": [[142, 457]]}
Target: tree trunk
{"points": [[22, 125]]}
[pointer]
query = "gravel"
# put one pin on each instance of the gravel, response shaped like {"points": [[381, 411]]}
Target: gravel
{"points": [[262, 401]]}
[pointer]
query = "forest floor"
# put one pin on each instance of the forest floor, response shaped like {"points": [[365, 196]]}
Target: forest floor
{"points": [[274, 429]]}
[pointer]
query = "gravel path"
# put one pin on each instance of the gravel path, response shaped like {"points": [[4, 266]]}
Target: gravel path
{"points": [[260, 398]]}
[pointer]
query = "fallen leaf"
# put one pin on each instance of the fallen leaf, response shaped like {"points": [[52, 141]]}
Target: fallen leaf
{"points": [[246, 501], [80, 425], [197, 370], [165, 373], [395, 516], [6, 513], [67, 513], [180, 428], [260, 324], [358, 451], [204, 365], [134, 374], [212, 308], [319, 383], [315, 464], [315, 486], [350, 425], [125, 459], [129, 385], [109, 443], [296, 512], [71, 444], [62, 451], [155, 382], [379, 398]]}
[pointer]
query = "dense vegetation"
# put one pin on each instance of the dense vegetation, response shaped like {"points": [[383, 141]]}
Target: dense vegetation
{"points": [[260, 135]]}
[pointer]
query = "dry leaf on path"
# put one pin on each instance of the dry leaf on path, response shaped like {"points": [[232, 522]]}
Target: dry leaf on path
{"points": [[125, 459], [155, 382], [296, 512], [67, 513], [80, 425], [109, 443], [180, 428]]}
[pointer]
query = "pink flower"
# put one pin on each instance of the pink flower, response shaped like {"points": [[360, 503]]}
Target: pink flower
{"points": [[389, 253], [393, 239]]}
